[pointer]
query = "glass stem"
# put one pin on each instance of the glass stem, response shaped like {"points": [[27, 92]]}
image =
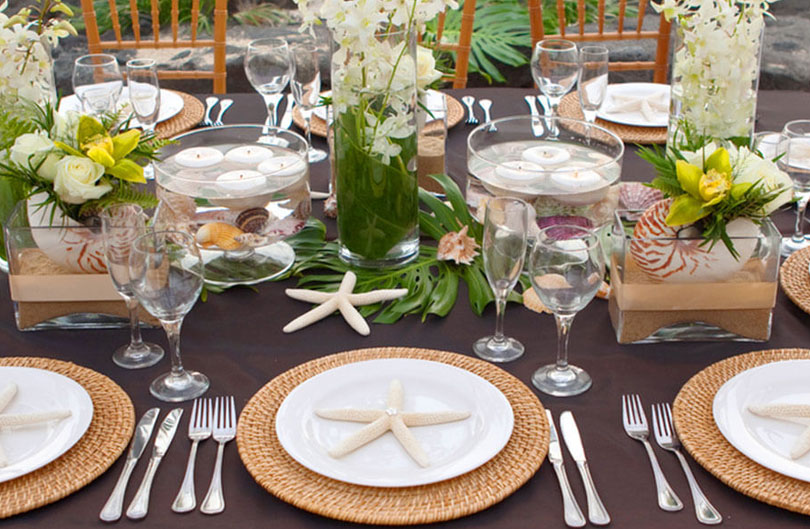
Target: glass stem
{"points": [[563, 328], [308, 120], [271, 113], [801, 207], [135, 339], [500, 309], [172, 329]]}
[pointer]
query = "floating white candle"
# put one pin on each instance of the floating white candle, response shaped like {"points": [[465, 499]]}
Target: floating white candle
{"points": [[248, 154], [580, 187], [282, 166], [198, 157], [519, 170], [240, 181], [546, 155]]}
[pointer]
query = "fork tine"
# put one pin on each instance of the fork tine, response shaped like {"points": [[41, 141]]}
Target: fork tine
{"points": [[642, 418], [667, 414], [233, 413], [625, 420], [216, 413], [192, 421], [208, 414]]}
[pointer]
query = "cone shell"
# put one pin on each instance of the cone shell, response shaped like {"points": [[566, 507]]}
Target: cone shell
{"points": [[220, 235]]}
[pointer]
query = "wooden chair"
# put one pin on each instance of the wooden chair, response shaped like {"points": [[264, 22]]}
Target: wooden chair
{"points": [[96, 45], [659, 65], [462, 47]]}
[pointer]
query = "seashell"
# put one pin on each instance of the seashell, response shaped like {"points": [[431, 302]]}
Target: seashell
{"points": [[604, 290], [457, 246], [551, 281], [674, 253], [253, 240], [220, 235], [563, 233], [635, 195], [330, 206], [532, 302], [253, 220], [175, 207]]}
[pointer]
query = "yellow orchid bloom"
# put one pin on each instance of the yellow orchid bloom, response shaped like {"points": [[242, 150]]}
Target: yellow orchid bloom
{"points": [[110, 151], [703, 188]]}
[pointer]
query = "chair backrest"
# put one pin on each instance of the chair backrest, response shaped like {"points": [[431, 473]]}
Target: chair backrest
{"points": [[96, 45], [661, 36], [462, 47]]}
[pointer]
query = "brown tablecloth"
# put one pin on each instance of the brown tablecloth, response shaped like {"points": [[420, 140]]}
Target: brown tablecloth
{"points": [[236, 339]]}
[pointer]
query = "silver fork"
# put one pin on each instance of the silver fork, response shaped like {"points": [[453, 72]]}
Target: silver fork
{"points": [[635, 424], [210, 103], [199, 429], [224, 431], [668, 440], [469, 101], [224, 105]]}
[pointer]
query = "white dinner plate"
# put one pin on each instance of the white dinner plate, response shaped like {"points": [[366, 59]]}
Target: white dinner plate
{"points": [[453, 448], [764, 440], [170, 104], [635, 119], [38, 390], [320, 111]]}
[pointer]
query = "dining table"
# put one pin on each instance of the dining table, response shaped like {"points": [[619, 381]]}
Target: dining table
{"points": [[236, 338]]}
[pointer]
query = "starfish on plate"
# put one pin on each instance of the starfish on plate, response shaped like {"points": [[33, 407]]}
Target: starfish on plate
{"points": [[342, 300], [391, 418], [22, 419], [797, 413]]}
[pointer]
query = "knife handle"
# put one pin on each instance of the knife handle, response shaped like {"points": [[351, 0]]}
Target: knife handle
{"points": [[597, 513], [571, 511], [115, 504], [140, 503]]}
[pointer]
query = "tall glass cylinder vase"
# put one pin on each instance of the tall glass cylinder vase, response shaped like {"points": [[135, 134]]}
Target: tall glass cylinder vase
{"points": [[375, 150], [715, 73]]}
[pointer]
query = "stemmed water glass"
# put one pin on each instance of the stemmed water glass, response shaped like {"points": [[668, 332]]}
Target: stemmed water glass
{"points": [[97, 83], [506, 224], [306, 87], [794, 149], [593, 80], [121, 224], [566, 268], [167, 277], [144, 96], [555, 68], [268, 67]]}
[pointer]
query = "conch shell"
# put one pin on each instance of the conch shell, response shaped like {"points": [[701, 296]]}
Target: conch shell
{"points": [[457, 246], [219, 234]]}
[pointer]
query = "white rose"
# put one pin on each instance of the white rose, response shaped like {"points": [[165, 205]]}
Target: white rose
{"points": [[31, 150], [755, 169], [426, 71], [76, 178]]}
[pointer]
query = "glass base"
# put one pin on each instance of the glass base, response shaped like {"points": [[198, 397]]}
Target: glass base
{"points": [[128, 357], [316, 155], [561, 382], [505, 350], [249, 267], [791, 245], [171, 388], [404, 252]]}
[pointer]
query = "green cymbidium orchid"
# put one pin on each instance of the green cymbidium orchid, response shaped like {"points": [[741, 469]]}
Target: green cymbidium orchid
{"points": [[704, 187]]}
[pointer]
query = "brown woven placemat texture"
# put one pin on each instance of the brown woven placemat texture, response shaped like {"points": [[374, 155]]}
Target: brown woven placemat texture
{"points": [[476, 490], [188, 118], [455, 112], [794, 276], [695, 424], [569, 108], [105, 440]]}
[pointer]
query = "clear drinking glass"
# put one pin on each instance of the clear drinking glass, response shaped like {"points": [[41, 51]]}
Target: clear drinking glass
{"points": [[268, 67], [555, 68], [593, 80], [121, 224], [167, 277], [97, 82], [306, 87], [566, 267], [794, 148], [506, 224], [144, 96]]}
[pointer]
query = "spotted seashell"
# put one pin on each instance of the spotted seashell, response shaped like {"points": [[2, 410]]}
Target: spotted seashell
{"points": [[637, 196], [674, 253], [220, 235], [253, 220]]}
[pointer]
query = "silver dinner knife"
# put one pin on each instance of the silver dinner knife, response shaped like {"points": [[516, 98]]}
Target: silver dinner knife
{"points": [[537, 125], [286, 119], [571, 511], [112, 509], [597, 513], [140, 503]]}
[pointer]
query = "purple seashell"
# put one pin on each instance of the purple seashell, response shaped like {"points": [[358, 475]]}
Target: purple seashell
{"points": [[637, 196], [563, 233]]}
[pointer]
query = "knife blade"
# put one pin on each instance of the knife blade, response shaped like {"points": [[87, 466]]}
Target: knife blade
{"points": [[537, 125], [140, 503], [571, 511], [597, 513], [143, 431], [286, 119]]}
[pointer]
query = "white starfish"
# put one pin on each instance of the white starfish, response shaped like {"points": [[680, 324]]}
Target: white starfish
{"points": [[392, 419], [796, 413], [342, 300], [22, 419]]}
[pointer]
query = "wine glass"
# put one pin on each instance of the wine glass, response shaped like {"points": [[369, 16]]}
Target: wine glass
{"points": [[306, 87], [144, 96], [566, 268], [268, 67], [794, 149], [593, 80], [97, 83], [555, 68], [506, 224], [167, 277], [121, 224]]}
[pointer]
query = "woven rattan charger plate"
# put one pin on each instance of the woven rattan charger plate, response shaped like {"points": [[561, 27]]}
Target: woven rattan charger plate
{"points": [[569, 108], [794, 276], [695, 424], [105, 440], [490, 483], [454, 114], [188, 118]]}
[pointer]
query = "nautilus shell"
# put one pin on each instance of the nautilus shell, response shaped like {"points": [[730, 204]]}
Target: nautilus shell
{"points": [[675, 254]]}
